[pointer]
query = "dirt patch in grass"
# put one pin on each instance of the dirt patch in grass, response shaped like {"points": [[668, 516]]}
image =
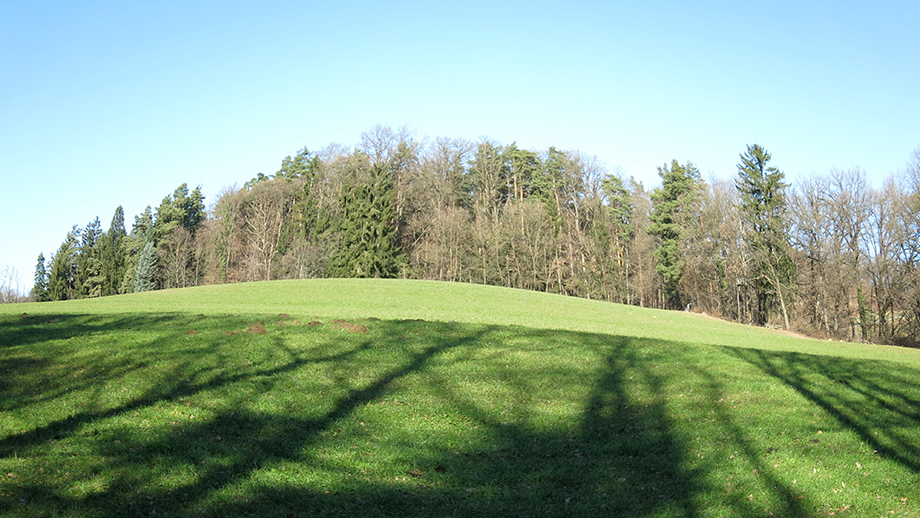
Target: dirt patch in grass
{"points": [[257, 329], [192, 332], [348, 326]]}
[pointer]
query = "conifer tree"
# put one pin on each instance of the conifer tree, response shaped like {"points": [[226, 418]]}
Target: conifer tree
{"points": [[672, 203], [40, 290], [763, 205], [145, 277], [61, 285], [112, 254], [367, 229], [88, 278]]}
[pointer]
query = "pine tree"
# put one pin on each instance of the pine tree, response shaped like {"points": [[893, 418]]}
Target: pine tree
{"points": [[61, 280], [145, 278], [673, 201], [367, 229], [763, 204], [40, 290], [112, 254], [88, 277]]}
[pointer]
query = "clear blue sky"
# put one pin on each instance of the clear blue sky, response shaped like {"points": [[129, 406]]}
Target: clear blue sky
{"points": [[106, 103]]}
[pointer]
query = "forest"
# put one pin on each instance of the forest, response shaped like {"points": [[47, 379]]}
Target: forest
{"points": [[832, 256]]}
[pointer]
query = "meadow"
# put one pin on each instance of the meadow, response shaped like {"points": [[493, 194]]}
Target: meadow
{"points": [[412, 398]]}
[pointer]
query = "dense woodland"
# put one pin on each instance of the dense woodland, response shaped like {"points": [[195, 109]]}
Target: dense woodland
{"points": [[832, 256]]}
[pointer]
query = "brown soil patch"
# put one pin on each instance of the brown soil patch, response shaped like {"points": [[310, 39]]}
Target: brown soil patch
{"points": [[284, 316], [257, 329], [192, 332], [346, 326], [315, 323]]}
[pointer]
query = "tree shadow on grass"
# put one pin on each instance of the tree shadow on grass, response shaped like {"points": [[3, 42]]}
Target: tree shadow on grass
{"points": [[878, 400], [260, 451]]}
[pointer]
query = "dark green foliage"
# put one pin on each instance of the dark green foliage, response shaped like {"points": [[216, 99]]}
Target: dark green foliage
{"points": [[525, 174], [144, 279], [112, 254], [143, 225], [304, 165], [366, 229], [89, 279], [181, 209], [40, 290], [763, 205], [674, 201], [61, 280]]}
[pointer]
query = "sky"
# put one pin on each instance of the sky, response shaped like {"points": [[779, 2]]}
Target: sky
{"points": [[111, 103]]}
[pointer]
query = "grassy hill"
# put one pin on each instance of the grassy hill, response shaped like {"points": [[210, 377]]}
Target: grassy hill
{"points": [[411, 398]]}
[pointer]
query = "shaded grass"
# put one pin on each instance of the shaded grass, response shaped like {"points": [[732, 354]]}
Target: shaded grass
{"points": [[106, 413]]}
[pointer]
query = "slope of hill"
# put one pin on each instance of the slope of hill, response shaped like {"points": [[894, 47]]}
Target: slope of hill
{"points": [[412, 398]]}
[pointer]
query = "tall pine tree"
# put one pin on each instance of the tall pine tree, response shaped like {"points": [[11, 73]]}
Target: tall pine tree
{"points": [[367, 229], [40, 290], [112, 255], [763, 206], [673, 202], [61, 280], [145, 278]]}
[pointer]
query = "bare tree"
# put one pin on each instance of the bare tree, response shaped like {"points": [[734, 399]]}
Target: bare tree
{"points": [[264, 210], [10, 285]]}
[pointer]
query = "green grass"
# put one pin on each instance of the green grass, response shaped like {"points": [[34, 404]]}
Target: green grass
{"points": [[459, 400]]}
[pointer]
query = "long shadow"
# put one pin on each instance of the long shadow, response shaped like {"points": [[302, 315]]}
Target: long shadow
{"points": [[877, 400], [621, 458]]}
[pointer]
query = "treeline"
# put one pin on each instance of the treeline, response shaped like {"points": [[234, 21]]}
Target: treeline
{"points": [[832, 256]]}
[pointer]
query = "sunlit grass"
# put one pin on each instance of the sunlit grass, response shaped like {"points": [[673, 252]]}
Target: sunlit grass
{"points": [[457, 401]]}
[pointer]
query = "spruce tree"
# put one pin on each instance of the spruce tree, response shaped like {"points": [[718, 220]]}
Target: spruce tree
{"points": [[145, 277], [673, 201], [763, 205], [88, 279], [112, 254], [40, 290], [61, 280], [367, 229]]}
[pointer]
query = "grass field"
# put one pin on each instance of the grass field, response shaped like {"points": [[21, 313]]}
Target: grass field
{"points": [[410, 398]]}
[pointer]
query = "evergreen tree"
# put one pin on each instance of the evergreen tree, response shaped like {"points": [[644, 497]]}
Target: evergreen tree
{"points": [[672, 202], [40, 290], [112, 254], [182, 208], [61, 280], [763, 205], [133, 244], [367, 229], [88, 278], [620, 208], [145, 278], [304, 165], [143, 226]]}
